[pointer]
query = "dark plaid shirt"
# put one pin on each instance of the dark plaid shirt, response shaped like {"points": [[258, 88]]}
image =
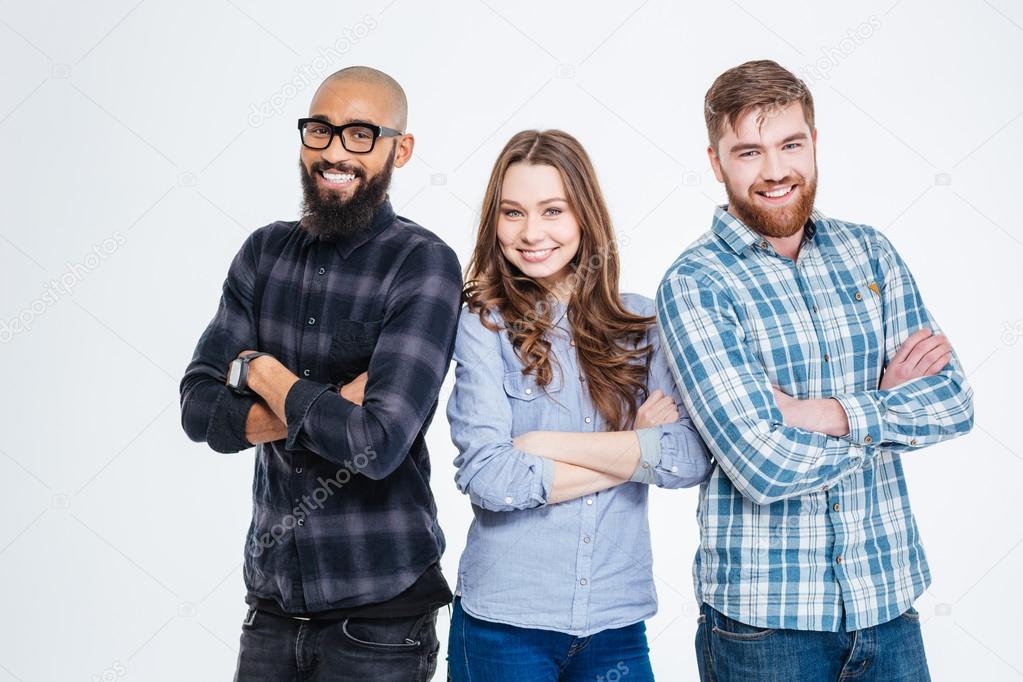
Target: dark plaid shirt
{"points": [[342, 510]]}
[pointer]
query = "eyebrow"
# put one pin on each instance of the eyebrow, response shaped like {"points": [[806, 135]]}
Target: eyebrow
{"points": [[324, 117], [539, 203], [743, 146]]}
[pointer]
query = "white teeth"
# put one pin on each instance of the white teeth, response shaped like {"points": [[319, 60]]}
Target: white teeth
{"points": [[338, 178], [537, 254], [778, 192]]}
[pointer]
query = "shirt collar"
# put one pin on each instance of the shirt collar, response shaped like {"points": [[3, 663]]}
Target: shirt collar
{"points": [[739, 237], [382, 219]]}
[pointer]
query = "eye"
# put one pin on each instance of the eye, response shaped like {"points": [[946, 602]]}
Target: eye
{"points": [[362, 135], [318, 129], [792, 145], [512, 213], [553, 211], [749, 154]]}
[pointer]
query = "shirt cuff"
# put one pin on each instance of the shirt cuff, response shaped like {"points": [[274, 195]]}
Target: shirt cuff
{"points": [[864, 415], [649, 455], [226, 432], [546, 479], [297, 404]]}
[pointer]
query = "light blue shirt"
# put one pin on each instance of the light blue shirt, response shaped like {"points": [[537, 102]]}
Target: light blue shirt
{"points": [[577, 567], [799, 529]]}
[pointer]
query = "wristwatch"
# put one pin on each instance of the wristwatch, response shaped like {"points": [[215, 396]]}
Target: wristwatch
{"points": [[238, 373]]}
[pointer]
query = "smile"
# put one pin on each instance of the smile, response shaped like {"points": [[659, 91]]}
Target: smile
{"points": [[337, 179], [779, 195], [536, 256]]}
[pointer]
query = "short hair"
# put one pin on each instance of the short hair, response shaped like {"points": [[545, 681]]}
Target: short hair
{"points": [[761, 85], [371, 76]]}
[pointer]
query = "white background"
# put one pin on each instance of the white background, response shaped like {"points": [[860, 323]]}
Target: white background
{"points": [[133, 122]]}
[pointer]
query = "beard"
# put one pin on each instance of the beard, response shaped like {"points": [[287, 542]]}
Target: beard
{"points": [[774, 222], [327, 215]]}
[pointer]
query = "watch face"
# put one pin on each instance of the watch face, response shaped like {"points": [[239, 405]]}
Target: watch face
{"points": [[234, 373]]}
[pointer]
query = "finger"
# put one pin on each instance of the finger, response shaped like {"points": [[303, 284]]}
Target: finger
{"points": [[932, 356], [923, 348], [907, 346], [938, 365]]}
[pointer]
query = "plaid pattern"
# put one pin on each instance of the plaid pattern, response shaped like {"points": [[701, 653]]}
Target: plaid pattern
{"points": [[342, 514], [798, 528]]}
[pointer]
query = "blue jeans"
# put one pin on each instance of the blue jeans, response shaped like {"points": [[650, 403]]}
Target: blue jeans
{"points": [[279, 649], [482, 651], [730, 651]]}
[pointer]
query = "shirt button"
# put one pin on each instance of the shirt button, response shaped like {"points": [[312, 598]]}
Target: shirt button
{"points": [[298, 470], [586, 539], [529, 391], [587, 420], [836, 506], [507, 500], [763, 244], [311, 320], [859, 296], [646, 465], [815, 309], [571, 343], [840, 560], [868, 439], [589, 500], [827, 357], [322, 271], [674, 470], [912, 442], [306, 372], [583, 581]]}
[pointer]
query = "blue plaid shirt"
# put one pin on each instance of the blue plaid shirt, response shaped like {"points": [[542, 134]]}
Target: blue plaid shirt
{"points": [[342, 511], [798, 529]]}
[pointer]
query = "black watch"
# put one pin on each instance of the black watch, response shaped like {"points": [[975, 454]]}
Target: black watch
{"points": [[238, 373]]}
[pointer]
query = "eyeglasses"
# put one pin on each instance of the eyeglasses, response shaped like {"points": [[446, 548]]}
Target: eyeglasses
{"points": [[357, 138]]}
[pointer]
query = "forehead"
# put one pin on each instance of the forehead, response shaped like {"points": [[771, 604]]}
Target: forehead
{"points": [[341, 101], [531, 182], [764, 126]]}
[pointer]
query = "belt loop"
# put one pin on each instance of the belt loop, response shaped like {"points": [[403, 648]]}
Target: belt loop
{"points": [[250, 617]]}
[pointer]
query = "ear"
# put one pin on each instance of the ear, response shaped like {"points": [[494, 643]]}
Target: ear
{"points": [[405, 144], [715, 164]]}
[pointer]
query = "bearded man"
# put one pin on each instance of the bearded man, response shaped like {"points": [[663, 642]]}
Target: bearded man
{"points": [[327, 353]]}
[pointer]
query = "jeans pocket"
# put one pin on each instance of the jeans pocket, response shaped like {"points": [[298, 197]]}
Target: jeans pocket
{"points": [[729, 628], [390, 634]]}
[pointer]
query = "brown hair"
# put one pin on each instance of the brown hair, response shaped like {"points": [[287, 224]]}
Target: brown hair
{"points": [[606, 334], [760, 85]]}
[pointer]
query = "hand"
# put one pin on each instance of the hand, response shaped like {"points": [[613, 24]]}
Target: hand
{"points": [[355, 390], [922, 354], [656, 410]]}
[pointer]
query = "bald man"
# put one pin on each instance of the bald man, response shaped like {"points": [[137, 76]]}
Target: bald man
{"points": [[327, 353]]}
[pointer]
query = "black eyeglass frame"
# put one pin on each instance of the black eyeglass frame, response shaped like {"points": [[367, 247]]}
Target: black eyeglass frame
{"points": [[338, 131]]}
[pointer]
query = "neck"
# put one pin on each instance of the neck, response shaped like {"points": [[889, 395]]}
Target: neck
{"points": [[787, 246]]}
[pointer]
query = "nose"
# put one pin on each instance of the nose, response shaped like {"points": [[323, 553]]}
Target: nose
{"points": [[532, 230], [774, 168], [335, 152]]}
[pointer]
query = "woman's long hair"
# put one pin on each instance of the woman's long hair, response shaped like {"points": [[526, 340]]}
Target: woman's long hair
{"points": [[607, 336]]}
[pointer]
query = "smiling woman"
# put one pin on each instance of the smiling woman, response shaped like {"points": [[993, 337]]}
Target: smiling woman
{"points": [[564, 413]]}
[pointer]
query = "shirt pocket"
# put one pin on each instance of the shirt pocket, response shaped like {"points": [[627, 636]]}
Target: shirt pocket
{"points": [[351, 349], [533, 407]]}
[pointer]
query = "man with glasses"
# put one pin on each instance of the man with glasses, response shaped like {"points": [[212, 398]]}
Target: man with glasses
{"points": [[327, 353], [810, 364]]}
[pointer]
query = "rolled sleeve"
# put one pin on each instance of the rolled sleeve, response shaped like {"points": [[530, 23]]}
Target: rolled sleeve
{"points": [[865, 418], [297, 405]]}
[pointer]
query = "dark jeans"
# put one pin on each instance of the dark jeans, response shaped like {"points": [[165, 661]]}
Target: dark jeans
{"points": [[482, 651], [730, 651], [279, 649]]}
